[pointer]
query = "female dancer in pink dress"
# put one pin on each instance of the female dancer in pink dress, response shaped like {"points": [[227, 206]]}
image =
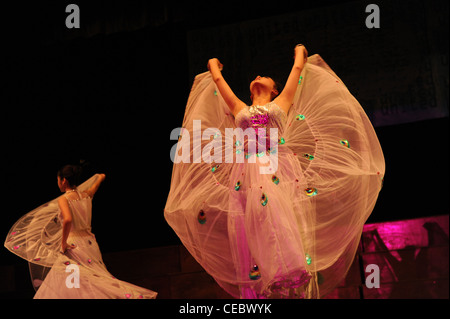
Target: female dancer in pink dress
{"points": [[286, 221], [57, 241]]}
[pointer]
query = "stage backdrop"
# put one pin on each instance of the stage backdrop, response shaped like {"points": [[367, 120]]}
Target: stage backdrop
{"points": [[398, 72]]}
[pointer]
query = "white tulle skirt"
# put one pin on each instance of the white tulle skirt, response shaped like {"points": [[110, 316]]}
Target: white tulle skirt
{"points": [[293, 233], [81, 274]]}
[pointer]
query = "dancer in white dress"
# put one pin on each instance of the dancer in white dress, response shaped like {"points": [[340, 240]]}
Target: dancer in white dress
{"points": [[292, 232], [57, 241]]}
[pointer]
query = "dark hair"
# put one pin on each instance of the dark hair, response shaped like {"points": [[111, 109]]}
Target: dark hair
{"points": [[71, 173], [278, 86]]}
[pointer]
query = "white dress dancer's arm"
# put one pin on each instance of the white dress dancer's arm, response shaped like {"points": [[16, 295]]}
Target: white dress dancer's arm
{"points": [[234, 103], [286, 97], [67, 222], [93, 189]]}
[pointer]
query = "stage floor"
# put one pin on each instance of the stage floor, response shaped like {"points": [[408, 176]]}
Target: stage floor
{"points": [[412, 258]]}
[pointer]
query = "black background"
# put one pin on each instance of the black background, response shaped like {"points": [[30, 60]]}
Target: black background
{"points": [[111, 93]]}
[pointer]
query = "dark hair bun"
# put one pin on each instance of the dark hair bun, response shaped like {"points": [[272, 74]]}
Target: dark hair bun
{"points": [[71, 173]]}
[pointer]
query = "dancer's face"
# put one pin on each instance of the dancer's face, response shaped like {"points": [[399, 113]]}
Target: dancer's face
{"points": [[264, 82]]}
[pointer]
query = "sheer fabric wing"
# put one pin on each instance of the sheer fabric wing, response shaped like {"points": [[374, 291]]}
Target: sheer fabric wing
{"points": [[36, 236], [343, 164], [198, 203]]}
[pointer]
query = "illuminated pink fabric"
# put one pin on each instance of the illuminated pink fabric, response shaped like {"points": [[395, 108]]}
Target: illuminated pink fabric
{"points": [[291, 233]]}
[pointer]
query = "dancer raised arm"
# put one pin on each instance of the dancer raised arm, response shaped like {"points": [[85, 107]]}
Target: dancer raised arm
{"points": [[234, 103], [286, 97], [263, 89], [93, 189]]}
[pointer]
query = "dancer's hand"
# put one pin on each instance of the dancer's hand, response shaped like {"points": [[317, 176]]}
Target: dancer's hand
{"points": [[215, 62], [301, 52], [65, 246]]}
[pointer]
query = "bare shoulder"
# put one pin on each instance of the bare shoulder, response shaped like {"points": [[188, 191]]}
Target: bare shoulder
{"points": [[85, 194], [62, 199], [89, 192], [63, 202]]}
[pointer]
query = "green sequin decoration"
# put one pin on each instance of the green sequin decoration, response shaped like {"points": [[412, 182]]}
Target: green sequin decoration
{"points": [[237, 143], [345, 143], [259, 154], [308, 259], [275, 179], [264, 199], [216, 135], [300, 80], [311, 191], [215, 168], [255, 274], [308, 156], [300, 117], [201, 217], [237, 186], [281, 140], [248, 155], [215, 92], [238, 151]]}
